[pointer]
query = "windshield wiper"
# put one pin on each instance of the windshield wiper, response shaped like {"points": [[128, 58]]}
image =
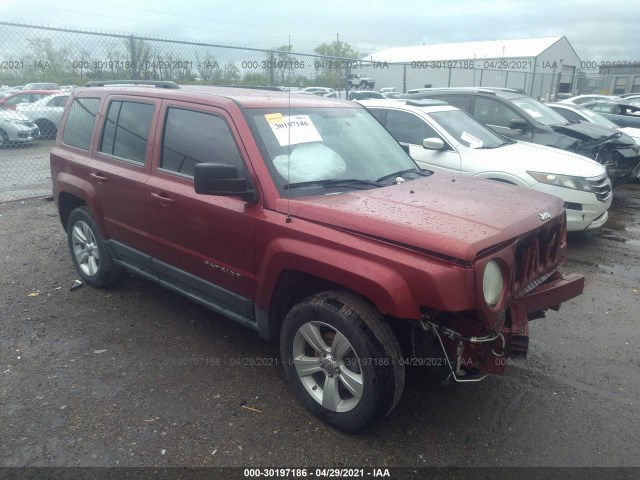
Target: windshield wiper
{"points": [[336, 182], [425, 173]]}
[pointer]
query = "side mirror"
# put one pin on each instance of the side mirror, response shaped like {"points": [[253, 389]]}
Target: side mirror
{"points": [[433, 143], [518, 124], [223, 180]]}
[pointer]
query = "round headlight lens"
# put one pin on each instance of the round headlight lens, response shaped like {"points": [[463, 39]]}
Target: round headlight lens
{"points": [[492, 283]]}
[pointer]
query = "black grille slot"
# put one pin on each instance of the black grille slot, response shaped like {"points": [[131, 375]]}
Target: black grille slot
{"points": [[536, 254], [602, 187]]}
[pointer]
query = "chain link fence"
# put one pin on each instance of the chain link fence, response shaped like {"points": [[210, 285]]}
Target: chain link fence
{"points": [[43, 59], [40, 61]]}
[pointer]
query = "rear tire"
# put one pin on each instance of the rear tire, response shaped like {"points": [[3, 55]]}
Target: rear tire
{"points": [[342, 360], [89, 253]]}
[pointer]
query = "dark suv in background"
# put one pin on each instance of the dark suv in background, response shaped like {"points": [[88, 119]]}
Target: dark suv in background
{"points": [[520, 117]]}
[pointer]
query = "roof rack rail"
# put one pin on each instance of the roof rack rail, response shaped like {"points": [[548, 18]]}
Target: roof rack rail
{"points": [[149, 83], [425, 103], [253, 87], [441, 89]]}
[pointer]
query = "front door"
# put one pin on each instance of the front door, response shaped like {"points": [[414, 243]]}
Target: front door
{"points": [[502, 119], [411, 129], [201, 243]]}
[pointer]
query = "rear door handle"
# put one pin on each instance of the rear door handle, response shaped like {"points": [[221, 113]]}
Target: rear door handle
{"points": [[99, 177], [163, 198]]}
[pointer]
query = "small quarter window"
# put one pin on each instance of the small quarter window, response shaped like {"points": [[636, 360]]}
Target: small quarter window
{"points": [[80, 122]]}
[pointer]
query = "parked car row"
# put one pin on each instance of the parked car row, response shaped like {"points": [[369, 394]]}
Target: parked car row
{"points": [[12, 100], [623, 114], [581, 113], [28, 115], [519, 117], [45, 113], [15, 128]]}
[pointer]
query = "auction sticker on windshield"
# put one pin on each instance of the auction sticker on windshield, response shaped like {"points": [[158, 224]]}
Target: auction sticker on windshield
{"points": [[293, 130], [533, 113]]}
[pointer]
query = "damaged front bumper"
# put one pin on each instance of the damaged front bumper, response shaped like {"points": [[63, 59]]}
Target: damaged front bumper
{"points": [[471, 354]]}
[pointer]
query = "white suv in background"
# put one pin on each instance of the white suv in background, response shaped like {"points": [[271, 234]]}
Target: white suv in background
{"points": [[446, 139]]}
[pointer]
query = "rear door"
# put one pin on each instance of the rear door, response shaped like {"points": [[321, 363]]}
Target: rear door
{"points": [[120, 166], [203, 244]]}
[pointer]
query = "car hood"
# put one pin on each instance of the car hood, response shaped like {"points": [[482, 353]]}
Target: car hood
{"points": [[520, 157], [13, 115], [589, 132], [447, 215]]}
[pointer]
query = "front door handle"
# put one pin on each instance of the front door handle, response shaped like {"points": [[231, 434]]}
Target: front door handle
{"points": [[163, 198]]}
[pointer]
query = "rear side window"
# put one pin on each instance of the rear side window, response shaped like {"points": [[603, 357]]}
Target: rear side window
{"points": [[126, 130], [80, 122], [22, 98], [379, 113], [463, 102], [192, 137], [569, 115], [58, 101]]}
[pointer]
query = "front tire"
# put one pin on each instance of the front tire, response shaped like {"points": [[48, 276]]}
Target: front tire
{"points": [[342, 360], [89, 252]]}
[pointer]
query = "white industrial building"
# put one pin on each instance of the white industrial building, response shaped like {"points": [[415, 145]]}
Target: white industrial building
{"points": [[541, 67]]}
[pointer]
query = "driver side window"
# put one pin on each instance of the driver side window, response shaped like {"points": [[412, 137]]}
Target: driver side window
{"points": [[604, 108], [407, 128], [192, 137], [494, 113]]}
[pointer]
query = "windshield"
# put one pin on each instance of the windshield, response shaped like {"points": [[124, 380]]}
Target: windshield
{"points": [[468, 131], [539, 111], [310, 148]]}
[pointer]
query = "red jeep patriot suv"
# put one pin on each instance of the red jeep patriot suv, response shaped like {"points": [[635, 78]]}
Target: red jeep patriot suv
{"points": [[303, 219]]}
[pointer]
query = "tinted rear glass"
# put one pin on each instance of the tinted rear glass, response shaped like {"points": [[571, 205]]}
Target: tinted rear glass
{"points": [[80, 122], [126, 130]]}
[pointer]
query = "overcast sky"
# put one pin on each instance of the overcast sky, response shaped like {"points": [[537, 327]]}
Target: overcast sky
{"points": [[598, 30]]}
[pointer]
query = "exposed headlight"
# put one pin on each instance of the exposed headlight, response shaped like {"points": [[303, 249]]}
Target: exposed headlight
{"points": [[492, 283], [565, 181]]}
